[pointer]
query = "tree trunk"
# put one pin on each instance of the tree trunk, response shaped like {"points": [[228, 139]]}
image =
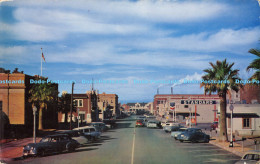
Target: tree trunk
{"points": [[223, 120], [66, 117], [40, 118]]}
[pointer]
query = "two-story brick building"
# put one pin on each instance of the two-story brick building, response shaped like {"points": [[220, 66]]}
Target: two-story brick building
{"points": [[86, 108]]}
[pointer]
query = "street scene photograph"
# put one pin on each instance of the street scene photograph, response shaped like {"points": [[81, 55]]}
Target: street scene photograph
{"points": [[130, 82]]}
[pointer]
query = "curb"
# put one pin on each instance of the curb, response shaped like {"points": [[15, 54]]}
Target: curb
{"points": [[228, 149]]}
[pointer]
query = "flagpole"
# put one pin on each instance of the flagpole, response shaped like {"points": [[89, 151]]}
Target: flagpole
{"points": [[41, 62]]}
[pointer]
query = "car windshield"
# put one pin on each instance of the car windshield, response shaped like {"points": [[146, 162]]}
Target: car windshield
{"points": [[45, 140], [252, 157]]}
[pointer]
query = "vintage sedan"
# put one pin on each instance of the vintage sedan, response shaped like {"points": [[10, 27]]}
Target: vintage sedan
{"points": [[153, 124], [51, 144], [90, 132], [76, 135], [169, 128], [174, 134], [100, 126], [193, 135], [139, 123], [250, 157]]}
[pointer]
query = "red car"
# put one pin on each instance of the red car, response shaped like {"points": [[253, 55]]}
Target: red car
{"points": [[214, 125], [139, 123]]}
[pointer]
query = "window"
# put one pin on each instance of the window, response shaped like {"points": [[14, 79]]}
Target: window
{"points": [[246, 123], [78, 102], [82, 116]]}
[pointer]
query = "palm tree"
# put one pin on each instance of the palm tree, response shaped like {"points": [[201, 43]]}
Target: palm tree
{"points": [[64, 105], [40, 95], [255, 65], [221, 71]]}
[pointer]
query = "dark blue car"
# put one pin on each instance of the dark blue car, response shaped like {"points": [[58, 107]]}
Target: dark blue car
{"points": [[193, 135], [51, 144]]}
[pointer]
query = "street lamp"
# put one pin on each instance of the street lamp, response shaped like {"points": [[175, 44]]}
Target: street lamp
{"points": [[78, 117], [231, 107], [34, 123], [190, 116]]}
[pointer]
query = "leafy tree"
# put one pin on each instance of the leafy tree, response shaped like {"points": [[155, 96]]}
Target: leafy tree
{"points": [[64, 105], [255, 64], [221, 71], [40, 95]]}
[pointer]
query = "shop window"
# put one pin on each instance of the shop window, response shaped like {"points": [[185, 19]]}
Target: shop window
{"points": [[246, 123]]}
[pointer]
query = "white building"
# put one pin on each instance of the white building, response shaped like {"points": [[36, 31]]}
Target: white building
{"points": [[246, 119]]}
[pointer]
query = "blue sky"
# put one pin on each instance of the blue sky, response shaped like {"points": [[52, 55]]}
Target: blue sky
{"points": [[127, 40]]}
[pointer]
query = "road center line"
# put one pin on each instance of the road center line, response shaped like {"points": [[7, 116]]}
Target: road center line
{"points": [[133, 148]]}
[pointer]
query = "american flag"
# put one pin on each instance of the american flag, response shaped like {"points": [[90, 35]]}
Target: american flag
{"points": [[43, 57]]}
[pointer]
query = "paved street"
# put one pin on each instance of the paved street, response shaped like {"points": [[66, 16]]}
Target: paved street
{"points": [[127, 144]]}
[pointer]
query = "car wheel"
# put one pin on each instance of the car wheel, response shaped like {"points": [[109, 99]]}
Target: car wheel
{"points": [[206, 140]]}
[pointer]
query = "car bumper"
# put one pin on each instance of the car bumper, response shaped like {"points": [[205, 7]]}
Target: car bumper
{"points": [[29, 153]]}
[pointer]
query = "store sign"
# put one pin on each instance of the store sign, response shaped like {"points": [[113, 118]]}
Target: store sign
{"points": [[198, 102]]}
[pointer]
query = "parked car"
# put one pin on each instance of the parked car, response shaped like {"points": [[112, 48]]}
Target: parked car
{"points": [[139, 123], [168, 123], [100, 126], [110, 123], [90, 132], [250, 157], [193, 135], [174, 134], [152, 124], [76, 135], [51, 144], [171, 127], [214, 125]]}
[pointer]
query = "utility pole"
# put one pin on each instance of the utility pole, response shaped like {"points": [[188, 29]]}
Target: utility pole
{"points": [[71, 105]]}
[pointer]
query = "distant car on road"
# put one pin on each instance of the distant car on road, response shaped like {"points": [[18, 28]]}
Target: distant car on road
{"points": [[174, 134], [139, 123], [193, 135], [51, 144], [214, 125], [250, 157], [152, 124]]}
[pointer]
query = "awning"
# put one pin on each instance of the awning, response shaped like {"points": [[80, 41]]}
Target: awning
{"points": [[243, 115]]}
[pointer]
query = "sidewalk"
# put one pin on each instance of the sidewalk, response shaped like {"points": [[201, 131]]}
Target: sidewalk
{"points": [[239, 146], [13, 150]]}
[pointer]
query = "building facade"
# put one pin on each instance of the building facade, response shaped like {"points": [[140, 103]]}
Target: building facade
{"points": [[86, 108], [181, 107], [108, 105], [14, 101]]}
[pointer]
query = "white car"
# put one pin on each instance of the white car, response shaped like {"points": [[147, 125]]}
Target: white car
{"points": [[152, 124], [250, 157], [169, 124]]}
